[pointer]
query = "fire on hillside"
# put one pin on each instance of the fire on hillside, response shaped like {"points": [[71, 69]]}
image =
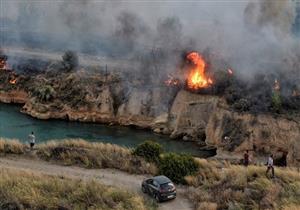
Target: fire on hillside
{"points": [[13, 80], [5, 67], [197, 76]]}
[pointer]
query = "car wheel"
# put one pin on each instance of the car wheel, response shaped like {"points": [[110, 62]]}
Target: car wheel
{"points": [[157, 198], [144, 189]]}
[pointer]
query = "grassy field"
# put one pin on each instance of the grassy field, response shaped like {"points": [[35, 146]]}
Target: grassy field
{"points": [[225, 186], [82, 153], [27, 190], [216, 185]]}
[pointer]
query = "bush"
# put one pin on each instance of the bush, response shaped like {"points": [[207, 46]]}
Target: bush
{"points": [[44, 93], [177, 166], [149, 150]]}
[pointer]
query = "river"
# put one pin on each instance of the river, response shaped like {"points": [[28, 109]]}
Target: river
{"points": [[16, 125]]}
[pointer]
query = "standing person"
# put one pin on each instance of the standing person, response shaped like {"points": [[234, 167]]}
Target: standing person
{"points": [[31, 139], [246, 158], [270, 166]]}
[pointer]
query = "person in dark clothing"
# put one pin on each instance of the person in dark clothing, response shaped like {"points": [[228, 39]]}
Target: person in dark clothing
{"points": [[246, 158]]}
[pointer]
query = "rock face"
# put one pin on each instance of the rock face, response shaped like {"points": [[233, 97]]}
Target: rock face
{"points": [[189, 115], [14, 96], [136, 111], [263, 134]]}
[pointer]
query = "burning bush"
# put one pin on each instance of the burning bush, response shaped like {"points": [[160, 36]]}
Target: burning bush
{"points": [[197, 77]]}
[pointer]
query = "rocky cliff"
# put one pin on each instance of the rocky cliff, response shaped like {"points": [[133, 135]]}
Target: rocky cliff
{"points": [[14, 96], [206, 119]]}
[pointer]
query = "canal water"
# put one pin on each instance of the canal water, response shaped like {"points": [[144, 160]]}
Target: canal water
{"points": [[16, 125]]}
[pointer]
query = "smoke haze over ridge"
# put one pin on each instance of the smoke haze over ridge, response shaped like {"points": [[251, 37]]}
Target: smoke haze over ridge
{"points": [[248, 34]]}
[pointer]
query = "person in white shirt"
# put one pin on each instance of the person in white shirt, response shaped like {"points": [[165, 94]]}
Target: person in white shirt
{"points": [[270, 166], [31, 139]]}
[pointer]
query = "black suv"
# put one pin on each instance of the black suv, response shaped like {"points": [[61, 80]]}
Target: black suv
{"points": [[159, 187]]}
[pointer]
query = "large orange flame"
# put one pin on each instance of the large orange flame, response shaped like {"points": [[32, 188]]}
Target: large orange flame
{"points": [[197, 78]]}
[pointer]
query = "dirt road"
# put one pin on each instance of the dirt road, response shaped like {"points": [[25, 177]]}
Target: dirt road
{"points": [[110, 177]]}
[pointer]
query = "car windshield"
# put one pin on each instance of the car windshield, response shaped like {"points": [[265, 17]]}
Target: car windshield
{"points": [[167, 186]]}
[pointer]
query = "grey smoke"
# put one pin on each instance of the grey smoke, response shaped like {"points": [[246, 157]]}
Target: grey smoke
{"points": [[252, 36]]}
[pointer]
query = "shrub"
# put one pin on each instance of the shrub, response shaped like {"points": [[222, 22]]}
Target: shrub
{"points": [[177, 166], [149, 150], [44, 93]]}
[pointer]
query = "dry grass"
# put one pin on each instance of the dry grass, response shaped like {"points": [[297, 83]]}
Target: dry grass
{"points": [[82, 153], [27, 190], [12, 146], [207, 206], [291, 207], [208, 173], [238, 187], [215, 186]]}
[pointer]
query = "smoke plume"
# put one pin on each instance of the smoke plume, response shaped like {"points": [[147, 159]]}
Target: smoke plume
{"points": [[251, 36]]}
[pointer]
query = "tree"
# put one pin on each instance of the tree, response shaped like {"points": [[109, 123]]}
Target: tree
{"points": [[276, 102], [70, 60], [44, 93]]}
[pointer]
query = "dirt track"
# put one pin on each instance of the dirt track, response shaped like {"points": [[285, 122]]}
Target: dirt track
{"points": [[106, 176]]}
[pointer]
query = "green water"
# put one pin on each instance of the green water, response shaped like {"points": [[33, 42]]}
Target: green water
{"points": [[14, 124]]}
